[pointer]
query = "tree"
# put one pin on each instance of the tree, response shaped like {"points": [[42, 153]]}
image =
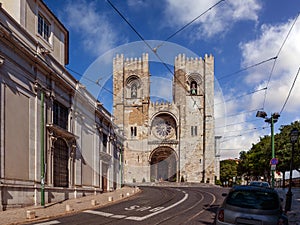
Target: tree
{"points": [[255, 163], [228, 171]]}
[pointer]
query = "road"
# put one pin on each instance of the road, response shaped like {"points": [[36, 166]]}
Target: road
{"points": [[154, 205]]}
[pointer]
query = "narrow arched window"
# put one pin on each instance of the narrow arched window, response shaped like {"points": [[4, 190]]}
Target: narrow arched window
{"points": [[133, 91], [193, 88]]}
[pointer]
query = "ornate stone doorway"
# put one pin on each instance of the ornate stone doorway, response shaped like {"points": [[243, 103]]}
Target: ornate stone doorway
{"points": [[163, 163]]}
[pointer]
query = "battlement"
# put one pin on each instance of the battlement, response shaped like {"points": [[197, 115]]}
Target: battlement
{"points": [[160, 103], [190, 63], [140, 63]]}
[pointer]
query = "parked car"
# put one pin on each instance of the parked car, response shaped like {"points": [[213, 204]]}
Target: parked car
{"points": [[247, 204], [259, 183]]}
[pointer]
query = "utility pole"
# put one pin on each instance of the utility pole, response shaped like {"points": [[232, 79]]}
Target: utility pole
{"points": [[273, 119]]}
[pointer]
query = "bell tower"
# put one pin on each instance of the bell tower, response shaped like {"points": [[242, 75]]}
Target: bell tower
{"points": [[193, 92], [131, 86]]}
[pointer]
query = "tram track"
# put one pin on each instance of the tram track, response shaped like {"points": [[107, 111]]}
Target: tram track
{"points": [[198, 204]]}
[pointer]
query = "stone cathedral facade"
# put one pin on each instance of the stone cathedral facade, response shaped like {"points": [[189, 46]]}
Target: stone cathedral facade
{"points": [[170, 141]]}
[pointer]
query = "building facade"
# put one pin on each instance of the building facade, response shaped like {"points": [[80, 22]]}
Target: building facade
{"points": [[56, 140], [166, 141]]}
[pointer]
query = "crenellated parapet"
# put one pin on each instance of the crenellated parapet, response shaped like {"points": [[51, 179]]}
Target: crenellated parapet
{"points": [[162, 104], [137, 64], [192, 64]]}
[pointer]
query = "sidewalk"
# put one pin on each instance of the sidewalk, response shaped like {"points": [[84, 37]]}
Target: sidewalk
{"points": [[37, 213], [294, 214]]}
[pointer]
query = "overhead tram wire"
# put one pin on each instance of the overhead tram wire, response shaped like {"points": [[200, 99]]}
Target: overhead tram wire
{"points": [[186, 25], [233, 124], [255, 128], [243, 112], [152, 49], [239, 135], [247, 68], [271, 72], [249, 93], [290, 91], [92, 81]]}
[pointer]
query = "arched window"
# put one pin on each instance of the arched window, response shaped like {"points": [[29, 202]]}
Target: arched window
{"points": [[133, 85], [60, 164], [193, 88], [134, 90]]}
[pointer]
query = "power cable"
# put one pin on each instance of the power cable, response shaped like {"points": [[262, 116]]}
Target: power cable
{"points": [[290, 91], [152, 49], [239, 135], [230, 131], [246, 68], [233, 124], [90, 80], [231, 99], [189, 23], [271, 72], [243, 112]]}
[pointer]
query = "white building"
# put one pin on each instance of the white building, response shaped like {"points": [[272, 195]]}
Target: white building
{"points": [[56, 141]]}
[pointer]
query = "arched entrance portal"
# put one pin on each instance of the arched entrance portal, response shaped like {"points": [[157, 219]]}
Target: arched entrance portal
{"points": [[163, 164]]}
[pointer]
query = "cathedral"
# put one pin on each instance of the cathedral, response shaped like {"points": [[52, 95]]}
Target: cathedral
{"points": [[166, 141]]}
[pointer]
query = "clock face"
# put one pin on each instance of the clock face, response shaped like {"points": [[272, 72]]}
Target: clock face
{"points": [[163, 127]]}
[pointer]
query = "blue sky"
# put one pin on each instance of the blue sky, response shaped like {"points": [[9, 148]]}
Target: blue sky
{"points": [[256, 46]]}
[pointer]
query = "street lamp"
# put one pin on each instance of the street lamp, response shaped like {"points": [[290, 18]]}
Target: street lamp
{"points": [[273, 119], [294, 137]]}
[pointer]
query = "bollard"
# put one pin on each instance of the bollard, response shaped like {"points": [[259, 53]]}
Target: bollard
{"points": [[68, 208], [30, 214], [121, 195], [94, 202], [110, 199], [128, 194]]}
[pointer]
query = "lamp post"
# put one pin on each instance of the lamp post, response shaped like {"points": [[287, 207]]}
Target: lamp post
{"points": [[294, 137], [273, 119]]}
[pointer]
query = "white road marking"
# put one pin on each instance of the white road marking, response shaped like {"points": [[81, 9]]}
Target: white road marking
{"points": [[137, 218], [99, 213], [48, 223], [155, 213], [118, 216]]}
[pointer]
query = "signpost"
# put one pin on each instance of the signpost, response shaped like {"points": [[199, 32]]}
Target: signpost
{"points": [[273, 163]]}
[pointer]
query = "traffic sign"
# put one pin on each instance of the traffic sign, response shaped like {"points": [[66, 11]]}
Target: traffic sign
{"points": [[273, 167], [274, 161]]}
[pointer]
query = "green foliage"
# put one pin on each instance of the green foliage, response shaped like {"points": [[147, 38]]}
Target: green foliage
{"points": [[218, 182], [228, 171], [256, 162]]}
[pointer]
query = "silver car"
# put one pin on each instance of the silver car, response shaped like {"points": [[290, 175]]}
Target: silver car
{"points": [[251, 205]]}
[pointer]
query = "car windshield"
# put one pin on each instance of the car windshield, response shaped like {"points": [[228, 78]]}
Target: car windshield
{"points": [[253, 199], [259, 184]]}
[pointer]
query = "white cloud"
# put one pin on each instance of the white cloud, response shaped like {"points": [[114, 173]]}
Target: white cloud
{"points": [[136, 3], [268, 45], [161, 88], [218, 20], [93, 28]]}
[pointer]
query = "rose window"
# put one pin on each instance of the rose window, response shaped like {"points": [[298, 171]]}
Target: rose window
{"points": [[163, 127]]}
